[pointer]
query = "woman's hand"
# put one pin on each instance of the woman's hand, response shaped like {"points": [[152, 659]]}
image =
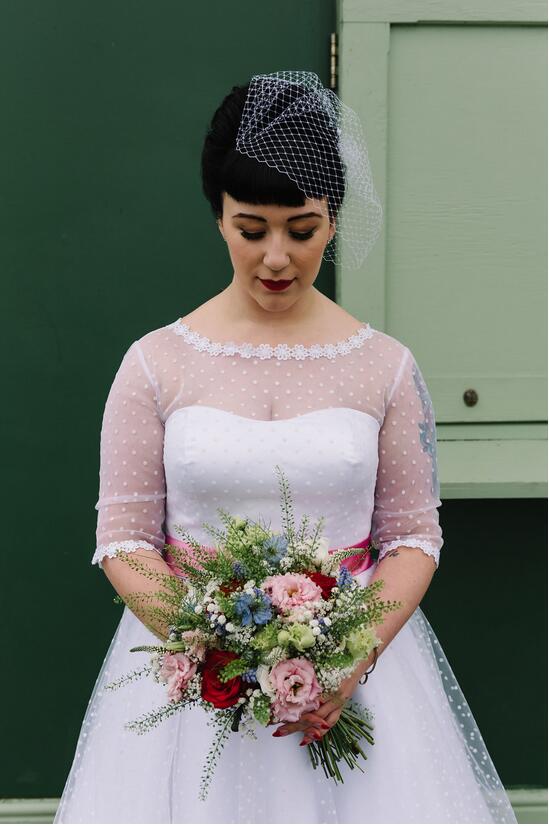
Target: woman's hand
{"points": [[315, 724]]}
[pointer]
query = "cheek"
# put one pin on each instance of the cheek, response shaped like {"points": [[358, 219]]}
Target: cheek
{"points": [[312, 250], [243, 250]]}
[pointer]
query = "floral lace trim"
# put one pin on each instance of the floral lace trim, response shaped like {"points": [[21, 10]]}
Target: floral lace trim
{"points": [[267, 351], [112, 547], [427, 547]]}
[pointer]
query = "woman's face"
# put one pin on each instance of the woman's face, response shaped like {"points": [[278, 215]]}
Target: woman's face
{"points": [[274, 244]]}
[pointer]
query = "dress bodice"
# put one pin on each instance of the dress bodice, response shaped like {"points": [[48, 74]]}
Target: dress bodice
{"points": [[192, 425]]}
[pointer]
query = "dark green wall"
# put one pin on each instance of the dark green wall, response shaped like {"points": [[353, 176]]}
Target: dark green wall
{"points": [[106, 235]]}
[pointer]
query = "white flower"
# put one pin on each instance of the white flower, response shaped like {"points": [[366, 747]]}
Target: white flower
{"points": [[316, 631], [222, 619], [264, 680], [198, 609], [321, 553], [212, 607], [256, 692], [229, 627], [327, 621]]}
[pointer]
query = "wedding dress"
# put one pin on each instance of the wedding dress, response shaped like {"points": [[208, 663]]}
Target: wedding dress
{"points": [[191, 425]]}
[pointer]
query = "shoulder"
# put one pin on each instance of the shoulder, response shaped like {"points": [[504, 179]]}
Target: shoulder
{"points": [[393, 351], [153, 343], [147, 354]]}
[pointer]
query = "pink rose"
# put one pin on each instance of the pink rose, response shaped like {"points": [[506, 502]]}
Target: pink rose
{"points": [[290, 590], [176, 671], [297, 689], [196, 647]]}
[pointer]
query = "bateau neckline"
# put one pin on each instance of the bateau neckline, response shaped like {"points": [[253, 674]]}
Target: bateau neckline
{"points": [[264, 350]]}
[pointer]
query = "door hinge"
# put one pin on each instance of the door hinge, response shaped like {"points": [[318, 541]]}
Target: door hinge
{"points": [[333, 60]]}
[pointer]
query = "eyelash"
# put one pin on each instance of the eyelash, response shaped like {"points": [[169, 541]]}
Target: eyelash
{"points": [[299, 236]]}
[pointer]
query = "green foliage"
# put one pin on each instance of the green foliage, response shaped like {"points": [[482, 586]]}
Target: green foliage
{"points": [[232, 669], [341, 659], [261, 709], [287, 507], [267, 638]]}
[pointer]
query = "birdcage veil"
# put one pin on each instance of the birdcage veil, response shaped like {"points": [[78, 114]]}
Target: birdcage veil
{"points": [[292, 123]]}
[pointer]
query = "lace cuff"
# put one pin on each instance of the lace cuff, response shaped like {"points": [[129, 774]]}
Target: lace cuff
{"points": [[427, 547], [111, 548]]}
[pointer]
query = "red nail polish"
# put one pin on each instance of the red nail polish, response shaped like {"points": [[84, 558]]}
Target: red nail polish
{"points": [[276, 734]]}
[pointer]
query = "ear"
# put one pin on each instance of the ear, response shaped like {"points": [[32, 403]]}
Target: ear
{"points": [[220, 226]]}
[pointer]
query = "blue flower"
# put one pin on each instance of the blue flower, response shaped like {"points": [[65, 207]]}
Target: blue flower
{"points": [[253, 608], [239, 570], [242, 608], [250, 676], [345, 577], [275, 547], [263, 613]]}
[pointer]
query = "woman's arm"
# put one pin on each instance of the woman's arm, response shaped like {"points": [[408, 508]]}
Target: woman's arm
{"points": [[126, 580], [407, 574], [405, 526], [132, 486]]}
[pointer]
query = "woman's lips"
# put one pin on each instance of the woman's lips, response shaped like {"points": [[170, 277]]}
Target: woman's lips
{"points": [[276, 286]]}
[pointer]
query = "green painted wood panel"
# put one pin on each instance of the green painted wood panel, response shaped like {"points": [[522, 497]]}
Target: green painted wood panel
{"points": [[105, 235], [454, 101], [458, 134]]}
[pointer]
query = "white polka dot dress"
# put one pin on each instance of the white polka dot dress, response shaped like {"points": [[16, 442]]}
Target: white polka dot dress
{"points": [[192, 425]]}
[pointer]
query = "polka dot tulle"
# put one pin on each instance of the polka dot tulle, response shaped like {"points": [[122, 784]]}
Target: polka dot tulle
{"points": [[192, 425], [178, 396]]}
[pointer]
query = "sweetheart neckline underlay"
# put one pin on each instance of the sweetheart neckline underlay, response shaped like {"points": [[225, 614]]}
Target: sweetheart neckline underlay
{"points": [[270, 421]]}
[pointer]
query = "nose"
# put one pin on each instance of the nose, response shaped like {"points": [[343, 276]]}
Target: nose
{"points": [[275, 257]]}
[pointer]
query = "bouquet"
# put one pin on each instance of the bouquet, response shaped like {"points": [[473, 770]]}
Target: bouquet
{"points": [[260, 632]]}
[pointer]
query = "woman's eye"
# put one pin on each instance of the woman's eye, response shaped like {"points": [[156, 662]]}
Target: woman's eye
{"points": [[299, 236], [252, 236], [302, 236]]}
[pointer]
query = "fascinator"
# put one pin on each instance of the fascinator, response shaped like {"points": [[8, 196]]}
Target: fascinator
{"points": [[292, 123]]}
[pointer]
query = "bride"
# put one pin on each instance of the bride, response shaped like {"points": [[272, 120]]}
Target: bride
{"points": [[272, 372]]}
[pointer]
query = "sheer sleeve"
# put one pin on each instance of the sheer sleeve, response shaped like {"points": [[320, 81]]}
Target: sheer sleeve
{"points": [[132, 488], [407, 487]]}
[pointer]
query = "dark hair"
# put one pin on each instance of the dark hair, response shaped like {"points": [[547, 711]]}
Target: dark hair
{"points": [[224, 169]]}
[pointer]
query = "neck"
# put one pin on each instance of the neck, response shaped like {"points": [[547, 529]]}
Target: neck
{"points": [[239, 308]]}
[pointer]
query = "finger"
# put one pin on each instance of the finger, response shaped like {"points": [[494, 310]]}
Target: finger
{"points": [[314, 718], [333, 717], [287, 728], [300, 725], [315, 734], [310, 736]]}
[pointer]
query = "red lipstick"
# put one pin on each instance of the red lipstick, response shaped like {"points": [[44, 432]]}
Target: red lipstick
{"points": [[275, 286]]}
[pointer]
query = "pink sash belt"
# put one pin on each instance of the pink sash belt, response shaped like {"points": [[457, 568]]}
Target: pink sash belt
{"points": [[356, 564]]}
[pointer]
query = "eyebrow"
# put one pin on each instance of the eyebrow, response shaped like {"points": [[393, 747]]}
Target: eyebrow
{"points": [[293, 218]]}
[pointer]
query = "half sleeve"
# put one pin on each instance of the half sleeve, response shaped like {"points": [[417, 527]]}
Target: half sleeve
{"points": [[132, 488], [407, 486]]}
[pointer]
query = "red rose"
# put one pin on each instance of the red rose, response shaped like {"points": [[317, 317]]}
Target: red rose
{"points": [[214, 690], [323, 581], [230, 586]]}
